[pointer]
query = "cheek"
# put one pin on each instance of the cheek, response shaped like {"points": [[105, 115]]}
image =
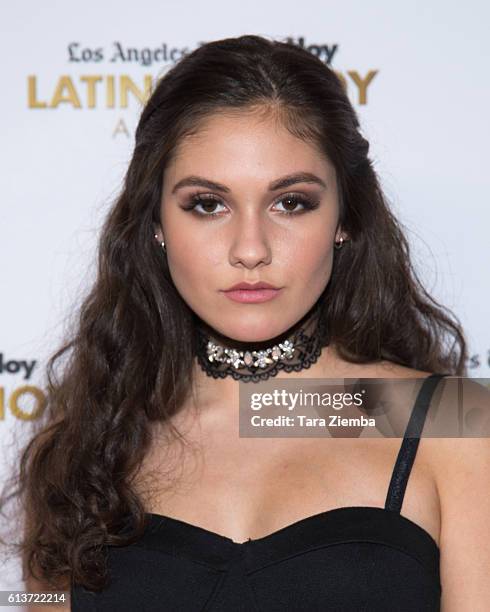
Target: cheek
{"points": [[310, 260], [195, 265]]}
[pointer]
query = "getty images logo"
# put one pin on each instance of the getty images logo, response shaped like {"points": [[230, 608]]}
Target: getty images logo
{"points": [[14, 366]]}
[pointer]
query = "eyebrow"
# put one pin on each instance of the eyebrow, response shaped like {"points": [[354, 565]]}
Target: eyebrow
{"points": [[285, 181]]}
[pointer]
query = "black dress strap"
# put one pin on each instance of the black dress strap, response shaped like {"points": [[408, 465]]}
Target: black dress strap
{"points": [[410, 443]]}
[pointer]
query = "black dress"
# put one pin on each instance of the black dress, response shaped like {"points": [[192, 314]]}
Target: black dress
{"points": [[355, 558]]}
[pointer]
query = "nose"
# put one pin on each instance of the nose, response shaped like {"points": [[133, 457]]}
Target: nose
{"points": [[250, 242]]}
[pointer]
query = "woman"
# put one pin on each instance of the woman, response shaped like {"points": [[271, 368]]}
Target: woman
{"points": [[249, 167]]}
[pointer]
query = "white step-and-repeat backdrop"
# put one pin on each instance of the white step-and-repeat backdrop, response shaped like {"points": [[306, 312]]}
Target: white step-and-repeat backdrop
{"points": [[75, 74]]}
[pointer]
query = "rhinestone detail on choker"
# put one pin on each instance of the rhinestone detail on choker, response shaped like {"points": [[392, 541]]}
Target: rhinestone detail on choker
{"points": [[257, 359], [296, 353]]}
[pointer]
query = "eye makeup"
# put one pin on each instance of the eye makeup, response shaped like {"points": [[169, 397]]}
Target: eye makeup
{"points": [[209, 200]]}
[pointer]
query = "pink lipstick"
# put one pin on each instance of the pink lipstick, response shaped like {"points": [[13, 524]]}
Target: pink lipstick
{"points": [[252, 293]]}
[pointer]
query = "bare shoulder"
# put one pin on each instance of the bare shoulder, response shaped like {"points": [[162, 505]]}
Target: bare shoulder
{"points": [[468, 450], [457, 429], [464, 422], [461, 469]]}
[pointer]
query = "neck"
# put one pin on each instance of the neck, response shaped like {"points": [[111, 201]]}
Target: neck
{"points": [[293, 350], [306, 323]]}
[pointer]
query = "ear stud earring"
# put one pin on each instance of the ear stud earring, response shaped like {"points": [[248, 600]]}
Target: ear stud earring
{"points": [[162, 244]]}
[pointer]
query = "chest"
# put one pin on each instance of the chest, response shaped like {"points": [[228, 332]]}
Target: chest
{"points": [[250, 487]]}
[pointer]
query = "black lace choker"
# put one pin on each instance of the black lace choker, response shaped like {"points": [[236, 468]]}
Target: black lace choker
{"points": [[295, 350]]}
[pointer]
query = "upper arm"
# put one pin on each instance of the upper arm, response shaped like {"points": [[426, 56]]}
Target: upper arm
{"points": [[463, 482]]}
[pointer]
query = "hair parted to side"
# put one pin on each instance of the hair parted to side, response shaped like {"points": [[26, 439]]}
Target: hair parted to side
{"points": [[128, 363]]}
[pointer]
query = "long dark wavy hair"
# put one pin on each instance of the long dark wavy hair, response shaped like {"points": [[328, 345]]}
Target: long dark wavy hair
{"points": [[128, 362]]}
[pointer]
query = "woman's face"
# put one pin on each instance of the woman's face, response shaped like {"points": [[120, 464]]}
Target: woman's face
{"points": [[240, 229]]}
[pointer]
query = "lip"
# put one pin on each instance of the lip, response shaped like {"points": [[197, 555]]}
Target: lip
{"points": [[252, 296], [252, 286]]}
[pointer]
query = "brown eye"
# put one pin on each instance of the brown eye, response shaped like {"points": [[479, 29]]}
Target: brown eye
{"points": [[207, 205], [290, 204]]}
